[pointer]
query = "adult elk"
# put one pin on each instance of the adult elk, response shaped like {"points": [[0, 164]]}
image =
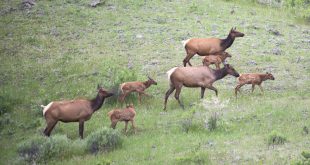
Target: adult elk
{"points": [[208, 46], [195, 77], [79, 110], [136, 86]]}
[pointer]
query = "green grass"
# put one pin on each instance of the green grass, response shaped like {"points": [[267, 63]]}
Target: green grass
{"points": [[63, 49]]}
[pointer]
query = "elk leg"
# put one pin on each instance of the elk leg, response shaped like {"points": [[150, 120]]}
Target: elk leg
{"points": [[261, 88], [217, 66], [126, 124], [50, 126], [238, 89], [81, 128], [202, 92], [213, 88], [133, 126], [187, 58], [168, 93], [139, 95], [113, 124], [253, 87], [177, 95]]}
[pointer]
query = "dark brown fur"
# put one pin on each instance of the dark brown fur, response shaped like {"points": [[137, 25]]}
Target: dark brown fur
{"points": [[209, 46], [254, 79], [195, 77], [79, 110]]}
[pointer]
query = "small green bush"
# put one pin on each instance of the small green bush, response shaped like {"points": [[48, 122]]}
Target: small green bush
{"points": [[105, 139], [30, 150], [42, 149], [212, 122], [187, 120], [276, 138], [305, 160]]}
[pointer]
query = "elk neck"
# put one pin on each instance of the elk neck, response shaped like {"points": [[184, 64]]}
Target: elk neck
{"points": [[227, 42], [97, 102], [219, 74], [147, 83]]}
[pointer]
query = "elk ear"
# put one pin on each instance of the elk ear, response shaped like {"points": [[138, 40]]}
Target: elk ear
{"points": [[232, 29], [235, 28], [98, 86]]}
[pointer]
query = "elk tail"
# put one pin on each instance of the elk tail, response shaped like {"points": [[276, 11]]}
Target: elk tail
{"points": [[46, 108], [169, 73], [184, 42]]}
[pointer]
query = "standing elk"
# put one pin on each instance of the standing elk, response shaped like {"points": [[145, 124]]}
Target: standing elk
{"points": [[208, 46], [254, 79], [79, 110], [195, 77], [127, 114], [215, 59], [136, 86]]}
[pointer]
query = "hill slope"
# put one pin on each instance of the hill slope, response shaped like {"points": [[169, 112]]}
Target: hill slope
{"points": [[63, 49]]}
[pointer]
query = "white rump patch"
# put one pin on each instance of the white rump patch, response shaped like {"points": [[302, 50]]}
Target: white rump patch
{"points": [[184, 42], [46, 107], [121, 87], [170, 72]]}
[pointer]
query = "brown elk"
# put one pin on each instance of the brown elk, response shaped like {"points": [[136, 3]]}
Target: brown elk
{"points": [[79, 110], [195, 77], [136, 86], [127, 114], [254, 79], [215, 59], [208, 46]]}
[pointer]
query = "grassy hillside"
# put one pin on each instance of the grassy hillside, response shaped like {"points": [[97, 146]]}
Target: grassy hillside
{"points": [[63, 49]]}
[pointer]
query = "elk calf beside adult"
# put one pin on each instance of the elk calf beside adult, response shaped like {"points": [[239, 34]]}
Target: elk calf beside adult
{"points": [[208, 46], [194, 77], [136, 86], [215, 59], [254, 79], [127, 114], [79, 110]]}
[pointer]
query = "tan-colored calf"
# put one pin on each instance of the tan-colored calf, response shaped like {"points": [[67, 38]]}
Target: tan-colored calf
{"points": [[126, 114], [254, 79], [215, 59]]}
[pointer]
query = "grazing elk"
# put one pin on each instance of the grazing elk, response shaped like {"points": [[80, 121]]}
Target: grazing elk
{"points": [[127, 114], [215, 59], [208, 46], [79, 110], [195, 77], [254, 79], [136, 86]]}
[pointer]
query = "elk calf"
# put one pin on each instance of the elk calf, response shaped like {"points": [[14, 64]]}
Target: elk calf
{"points": [[137, 86], [126, 114], [254, 79], [215, 59], [79, 110]]}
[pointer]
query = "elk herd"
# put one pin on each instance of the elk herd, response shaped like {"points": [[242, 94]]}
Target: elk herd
{"points": [[213, 50]]}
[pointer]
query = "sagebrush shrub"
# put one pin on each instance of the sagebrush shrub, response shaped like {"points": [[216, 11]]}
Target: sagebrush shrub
{"points": [[42, 149], [104, 139], [276, 138]]}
